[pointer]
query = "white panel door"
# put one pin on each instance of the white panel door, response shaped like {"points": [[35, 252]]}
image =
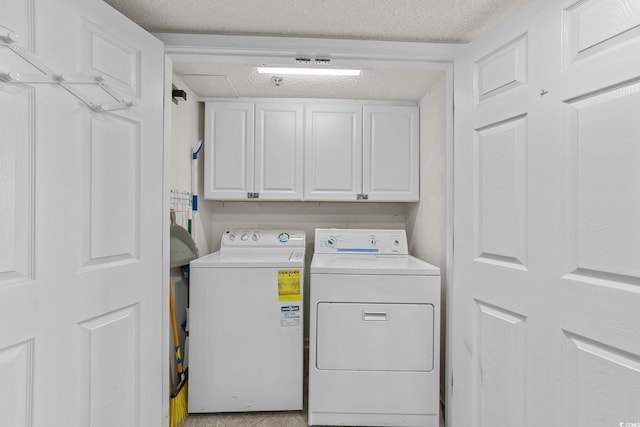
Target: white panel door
{"points": [[80, 221], [391, 153], [546, 327], [228, 150], [278, 151], [333, 152], [596, 267]]}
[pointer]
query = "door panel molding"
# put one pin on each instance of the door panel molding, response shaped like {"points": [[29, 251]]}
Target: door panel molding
{"points": [[602, 204], [16, 393], [593, 26], [598, 372], [111, 201], [111, 372], [501, 196], [502, 70], [104, 53], [500, 367], [17, 181]]}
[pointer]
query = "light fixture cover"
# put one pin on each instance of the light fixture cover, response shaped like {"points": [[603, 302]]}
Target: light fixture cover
{"points": [[309, 71]]}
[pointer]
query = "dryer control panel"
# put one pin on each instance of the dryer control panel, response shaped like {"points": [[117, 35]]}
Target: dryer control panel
{"points": [[353, 241]]}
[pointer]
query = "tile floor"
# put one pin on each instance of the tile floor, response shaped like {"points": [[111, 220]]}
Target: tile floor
{"points": [[261, 419], [258, 419]]}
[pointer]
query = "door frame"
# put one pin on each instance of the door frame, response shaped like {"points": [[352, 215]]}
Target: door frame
{"points": [[218, 49], [166, 183]]}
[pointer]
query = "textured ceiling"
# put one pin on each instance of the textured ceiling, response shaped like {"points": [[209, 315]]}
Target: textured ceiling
{"points": [[393, 20], [239, 80], [406, 20]]}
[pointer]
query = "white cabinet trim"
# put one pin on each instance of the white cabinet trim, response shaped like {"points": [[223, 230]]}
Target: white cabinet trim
{"points": [[383, 185], [314, 154], [275, 156], [370, 167], [212, 189]]}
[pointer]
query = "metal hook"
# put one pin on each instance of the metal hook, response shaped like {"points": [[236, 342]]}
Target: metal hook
{"points": [[11, 76], [11, 38]]}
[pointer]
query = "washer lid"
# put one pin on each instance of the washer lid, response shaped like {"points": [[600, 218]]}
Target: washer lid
{"points": [[247, 258], [371, 264]]}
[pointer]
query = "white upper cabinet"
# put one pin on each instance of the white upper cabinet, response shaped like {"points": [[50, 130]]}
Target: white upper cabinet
{"points": [[333, 152], [278, 151], [391, 158], [262, 162], [315, 151], [228, 150], [362, 153]]}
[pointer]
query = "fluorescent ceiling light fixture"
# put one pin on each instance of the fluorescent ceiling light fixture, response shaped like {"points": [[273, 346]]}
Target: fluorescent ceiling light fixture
{"points": [[309, 71]]}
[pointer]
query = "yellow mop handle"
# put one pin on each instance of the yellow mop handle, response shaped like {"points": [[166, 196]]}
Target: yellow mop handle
{"points": [[175, 331]]}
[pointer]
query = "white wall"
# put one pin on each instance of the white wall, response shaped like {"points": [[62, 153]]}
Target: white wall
{"points": [[426, 220], [187, 129], [305, 216]]}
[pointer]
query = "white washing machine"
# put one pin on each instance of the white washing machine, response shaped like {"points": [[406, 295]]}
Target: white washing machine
{"points": [[246, 324], [374, 331]]}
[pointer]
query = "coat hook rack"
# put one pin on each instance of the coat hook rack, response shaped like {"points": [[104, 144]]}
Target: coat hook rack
{"points": [[64, 80]]}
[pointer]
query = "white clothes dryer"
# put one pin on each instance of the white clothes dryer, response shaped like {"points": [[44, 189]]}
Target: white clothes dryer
{"points": [[246, 324], [374, 331]]}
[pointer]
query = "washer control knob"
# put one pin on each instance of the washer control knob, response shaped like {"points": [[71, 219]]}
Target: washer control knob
{"points": [[283, 237], [244, 237], [331, 242], [255, 237], [373, 241], [396, 242], [232, 237]]}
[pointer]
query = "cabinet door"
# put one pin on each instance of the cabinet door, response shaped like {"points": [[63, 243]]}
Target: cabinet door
{"points": [[278, 151], [391, 158], [228, 150], [333, 152]]}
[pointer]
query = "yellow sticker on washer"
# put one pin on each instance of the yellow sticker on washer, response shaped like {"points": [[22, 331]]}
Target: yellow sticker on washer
{"points": [[289, 285]]}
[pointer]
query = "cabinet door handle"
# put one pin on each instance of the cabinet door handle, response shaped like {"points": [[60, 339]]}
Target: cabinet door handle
{"points": [[374, 316]]}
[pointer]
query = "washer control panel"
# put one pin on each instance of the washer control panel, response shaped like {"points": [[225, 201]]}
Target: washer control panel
{"points": [[333, 240], [262, 238]]}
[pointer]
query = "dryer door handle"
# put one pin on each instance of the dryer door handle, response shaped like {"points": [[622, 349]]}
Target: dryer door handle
{"points": [[374, 316]]}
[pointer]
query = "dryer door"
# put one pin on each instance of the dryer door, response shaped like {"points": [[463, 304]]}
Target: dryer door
{"points": [[375, 337]]}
